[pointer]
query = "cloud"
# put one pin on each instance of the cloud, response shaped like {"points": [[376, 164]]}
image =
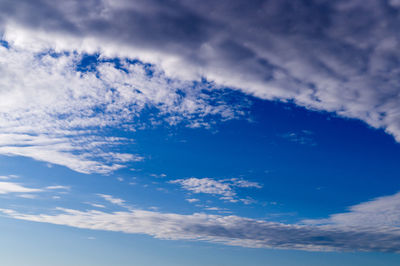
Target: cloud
{"points": [[223, 188], [54, 112], [158, 175], [304, 137], [27, 196], [192, 200], [379, 213], [205, 185], [96, 205], [337, 56], [7, 177], [10, 187], [58, 187], [369, 226], [111, 199], [243, 183]]}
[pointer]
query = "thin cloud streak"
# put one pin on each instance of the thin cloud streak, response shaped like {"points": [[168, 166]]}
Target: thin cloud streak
{"points": [[113, 200], [340, 232], [11, 187]]}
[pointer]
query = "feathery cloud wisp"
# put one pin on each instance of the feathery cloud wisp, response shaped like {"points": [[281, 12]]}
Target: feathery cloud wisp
{"points": [[370, 226], [51, 111], [223, 188]]}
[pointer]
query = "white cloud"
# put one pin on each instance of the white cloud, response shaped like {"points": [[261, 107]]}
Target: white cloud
{"points": [[247, 201], [10, 187], [54, 113], [27, 196], [96, 205], [370, 226], [51, 112], [22, 191], [274, 51], [382, 212], [244, 183], [158, 175], [192, 200], [7, 177], [111, 199], [214, 209], [223, 188], [205, 185], [58, 187]]}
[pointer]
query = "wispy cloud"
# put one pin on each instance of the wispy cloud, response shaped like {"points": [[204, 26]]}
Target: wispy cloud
{"points": [[380, 213], [10, 187], [27, 196], [370, 226], [158, 175], [192, 200], [237, 182], [205, 185], [304, 137], [113, 200], [223, 188], [96, 205], [8, 177], [56, 113], [58, 187]]}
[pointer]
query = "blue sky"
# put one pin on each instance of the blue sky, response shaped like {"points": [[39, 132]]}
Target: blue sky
{"points": [[223, 133]]}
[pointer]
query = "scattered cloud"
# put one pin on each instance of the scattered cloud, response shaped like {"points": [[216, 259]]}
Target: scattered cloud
{"points": [[243, 183], [303, 137], [223, 188], [158, 175], [247, 201], [205, 185], [56, 113]]}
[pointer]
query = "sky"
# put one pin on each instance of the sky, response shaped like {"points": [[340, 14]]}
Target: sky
{"points": [[199, 132]]}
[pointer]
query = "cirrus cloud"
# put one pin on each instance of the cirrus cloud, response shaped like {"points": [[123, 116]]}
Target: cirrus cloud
{"points": [[369, 226]]}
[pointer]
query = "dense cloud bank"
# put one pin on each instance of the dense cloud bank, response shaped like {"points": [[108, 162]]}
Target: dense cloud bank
{"points": [[338, 56]]}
